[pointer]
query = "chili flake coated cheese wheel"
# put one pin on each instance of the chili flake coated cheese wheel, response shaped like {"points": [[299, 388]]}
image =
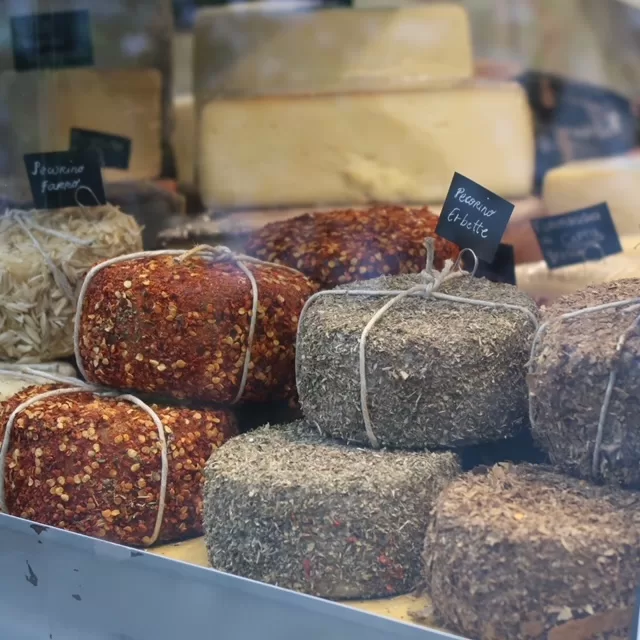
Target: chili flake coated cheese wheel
{"points": [[524, 553], [571, 368], [93, 464], [340, 246], [438, 373], [160, 325], [286, 507]]}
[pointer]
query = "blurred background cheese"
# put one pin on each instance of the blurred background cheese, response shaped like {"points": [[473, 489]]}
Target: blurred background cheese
{"points": [[583, 183], [42, 107], [363, 147], [273, 48], [543, 283], [183, 137]]}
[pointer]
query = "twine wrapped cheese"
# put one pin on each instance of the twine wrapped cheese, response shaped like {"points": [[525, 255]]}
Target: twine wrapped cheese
{"points": [[523, 553], [203, 324], [44, 255], [287, 507], [440, 364], [584, 381], [106, 465], [336, 247]]}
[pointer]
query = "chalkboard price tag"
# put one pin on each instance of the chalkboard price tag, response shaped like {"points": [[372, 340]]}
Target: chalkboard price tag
{"points": [[577, 236], [474, 217], [64, 179], [501, 269], [52, 40], [113, 151]]}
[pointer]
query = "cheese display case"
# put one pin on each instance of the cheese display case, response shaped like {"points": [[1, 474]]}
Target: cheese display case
{"points": [[323, 311]]}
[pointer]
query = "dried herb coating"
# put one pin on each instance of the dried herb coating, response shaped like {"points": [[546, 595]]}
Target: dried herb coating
{"points": [[524, 553], [92, 465], [180, 329], [570, 372], [439, 374], [341, 246], [287, 507]]}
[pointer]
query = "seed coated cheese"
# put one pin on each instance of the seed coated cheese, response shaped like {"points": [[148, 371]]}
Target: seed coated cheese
{"points": [[43, 106], [270, 49], [358, 148], [583, 183]]}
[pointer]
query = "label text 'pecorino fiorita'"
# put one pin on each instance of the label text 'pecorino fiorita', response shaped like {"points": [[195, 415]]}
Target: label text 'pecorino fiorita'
{"points": [[473, 217], [64, 179]]}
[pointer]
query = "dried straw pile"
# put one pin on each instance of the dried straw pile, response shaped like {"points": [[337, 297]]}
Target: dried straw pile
{"points": [[570, 372], [286, 507], [524, 553], [36, 316], [438, 373]]}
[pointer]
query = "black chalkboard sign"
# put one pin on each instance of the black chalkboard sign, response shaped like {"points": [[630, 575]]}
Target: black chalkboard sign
{"points": [[52, 40], [65, 179], [474, 217], [577, 236], [113, 151], [576, 121], [501, 269]]}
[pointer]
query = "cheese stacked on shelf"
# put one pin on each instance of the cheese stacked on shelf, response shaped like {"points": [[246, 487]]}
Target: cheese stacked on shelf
{"points": [[43, 106], [581, 184], [349, 107]]}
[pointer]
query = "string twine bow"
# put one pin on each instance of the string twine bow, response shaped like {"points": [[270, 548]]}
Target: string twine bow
{"points": [[25, 372], [429, 288], [211, 254]]}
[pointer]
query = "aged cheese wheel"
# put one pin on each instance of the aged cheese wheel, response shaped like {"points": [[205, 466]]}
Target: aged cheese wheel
{"points": [[340, 246], [287, 507], [523, 553], [438, 373], [181, 328], [571, 367], [93, 464], [39, 284]]}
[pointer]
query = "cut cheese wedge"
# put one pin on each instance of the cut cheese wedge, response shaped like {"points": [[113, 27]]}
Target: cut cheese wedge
{"points": [[584, 183], [361, 148], [274, 48], [540, 282], [43, 106]]}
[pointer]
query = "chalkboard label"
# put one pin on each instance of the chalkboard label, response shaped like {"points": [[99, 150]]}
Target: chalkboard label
{"points": [[501, 269], [576, 121], [473, 217], [64, 179], [577, 236], [113, 151], [52, 40]]}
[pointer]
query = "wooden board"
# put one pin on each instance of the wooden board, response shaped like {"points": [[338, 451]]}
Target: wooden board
{"points": [[410, 608]]}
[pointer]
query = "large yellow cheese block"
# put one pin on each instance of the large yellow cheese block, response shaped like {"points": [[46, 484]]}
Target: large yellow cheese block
{"points": [[43, 106], [183, 137], [583, 183], [413, 608], [362, 147], [543, 283], [273, 48]]}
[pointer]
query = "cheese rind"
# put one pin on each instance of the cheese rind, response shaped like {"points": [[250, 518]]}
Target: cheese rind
{"points": [[584, 183], [270, 49], [360, 148], [43, 106]]}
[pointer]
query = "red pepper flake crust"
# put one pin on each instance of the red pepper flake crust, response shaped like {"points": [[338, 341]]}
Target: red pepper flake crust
{"points": [[337, 247], [180, 329], [92, 465]]}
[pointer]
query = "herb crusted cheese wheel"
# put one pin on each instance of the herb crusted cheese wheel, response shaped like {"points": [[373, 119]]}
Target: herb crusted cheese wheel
{"points": [[523, 553], [180, 326], [340, 246], [93, 464]]}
